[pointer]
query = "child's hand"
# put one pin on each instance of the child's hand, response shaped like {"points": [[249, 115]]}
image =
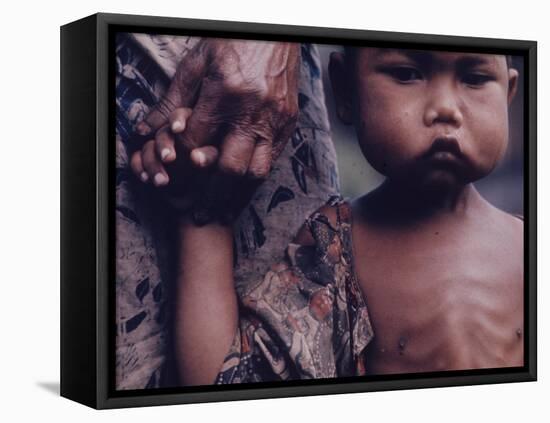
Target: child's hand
{"points": [[189, 180], [150, 162], [167, 166]]}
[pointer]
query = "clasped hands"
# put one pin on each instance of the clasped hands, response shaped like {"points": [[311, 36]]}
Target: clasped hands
{"points": [[225, 118]]}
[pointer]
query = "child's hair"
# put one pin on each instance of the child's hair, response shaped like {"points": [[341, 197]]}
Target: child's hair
{"points": [[351, 53]]}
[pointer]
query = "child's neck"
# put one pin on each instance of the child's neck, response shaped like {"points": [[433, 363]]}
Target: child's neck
{"points": [[393, 203]]}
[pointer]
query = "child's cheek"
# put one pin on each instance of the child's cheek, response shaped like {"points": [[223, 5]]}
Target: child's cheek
{"points": [[486, 135], [385, 123]]}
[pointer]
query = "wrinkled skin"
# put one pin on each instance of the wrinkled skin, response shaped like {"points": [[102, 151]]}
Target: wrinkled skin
{"points": [[239, 97]]}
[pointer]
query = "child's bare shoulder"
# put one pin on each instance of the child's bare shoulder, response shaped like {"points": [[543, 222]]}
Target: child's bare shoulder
{"points": [[510, 226], [506, 245]]}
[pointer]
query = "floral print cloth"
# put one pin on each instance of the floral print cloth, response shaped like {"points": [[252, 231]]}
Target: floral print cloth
{"points": [[302, 179], [306, 318]]}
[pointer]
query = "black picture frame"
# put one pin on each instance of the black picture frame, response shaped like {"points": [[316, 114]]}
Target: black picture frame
{"points": [[87, 227]]}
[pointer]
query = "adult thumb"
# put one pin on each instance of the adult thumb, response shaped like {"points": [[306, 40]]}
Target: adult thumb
{"points": [[182, 91]]}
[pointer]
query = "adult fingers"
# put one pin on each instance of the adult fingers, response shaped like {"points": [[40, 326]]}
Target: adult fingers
{"points": [[260, 162], [236, 151], [202, 126], [178, 119], [182, 90], [153, 165], [137, 167], [164, 145], [225, 191], [204, 156], [267, 151], [159, 114]]}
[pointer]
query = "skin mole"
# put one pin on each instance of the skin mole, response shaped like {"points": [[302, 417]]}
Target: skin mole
{"points": [[430, 246], [402, 344]]}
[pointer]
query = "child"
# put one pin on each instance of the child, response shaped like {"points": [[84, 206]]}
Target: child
{"points": [[422, 274]]}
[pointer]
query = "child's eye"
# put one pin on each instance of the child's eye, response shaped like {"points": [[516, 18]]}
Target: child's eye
{"points": [[404, 74], [476, 79]]}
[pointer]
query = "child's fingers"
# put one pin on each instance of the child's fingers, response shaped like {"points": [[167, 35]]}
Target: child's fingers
{"points": [[153, 165], [164, 144], [137, 167], [204, 156], [178, 119]]}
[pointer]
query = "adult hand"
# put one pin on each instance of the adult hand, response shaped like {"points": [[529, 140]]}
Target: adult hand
{"points": [[243, 98]]}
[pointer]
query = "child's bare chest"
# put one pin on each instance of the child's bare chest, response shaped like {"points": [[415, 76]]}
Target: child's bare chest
{"points": [[441, 300]]}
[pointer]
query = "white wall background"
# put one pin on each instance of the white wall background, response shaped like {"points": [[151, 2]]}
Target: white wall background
{"points": [[29, 212]]}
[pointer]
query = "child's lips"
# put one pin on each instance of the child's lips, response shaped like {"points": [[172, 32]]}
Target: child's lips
{"points": [[444, 148], [443, 156], [444, 152]]}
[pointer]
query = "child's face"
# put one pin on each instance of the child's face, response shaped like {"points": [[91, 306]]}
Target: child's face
{"points": [[428, 118]]}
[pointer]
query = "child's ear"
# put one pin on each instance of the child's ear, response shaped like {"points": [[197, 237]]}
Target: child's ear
{"points": [[513, 76], [340, 81]]}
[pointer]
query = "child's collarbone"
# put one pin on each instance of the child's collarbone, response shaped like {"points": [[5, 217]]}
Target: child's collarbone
{"points": [[442, 305]]}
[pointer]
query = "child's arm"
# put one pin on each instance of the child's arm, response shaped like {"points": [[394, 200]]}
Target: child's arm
{"points": [[206, 313]]}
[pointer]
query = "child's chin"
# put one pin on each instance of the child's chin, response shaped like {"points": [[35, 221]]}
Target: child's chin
{"points": [[441, 180]]}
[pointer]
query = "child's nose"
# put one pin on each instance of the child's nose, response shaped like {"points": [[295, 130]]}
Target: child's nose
{"points": [[443, 104]]}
